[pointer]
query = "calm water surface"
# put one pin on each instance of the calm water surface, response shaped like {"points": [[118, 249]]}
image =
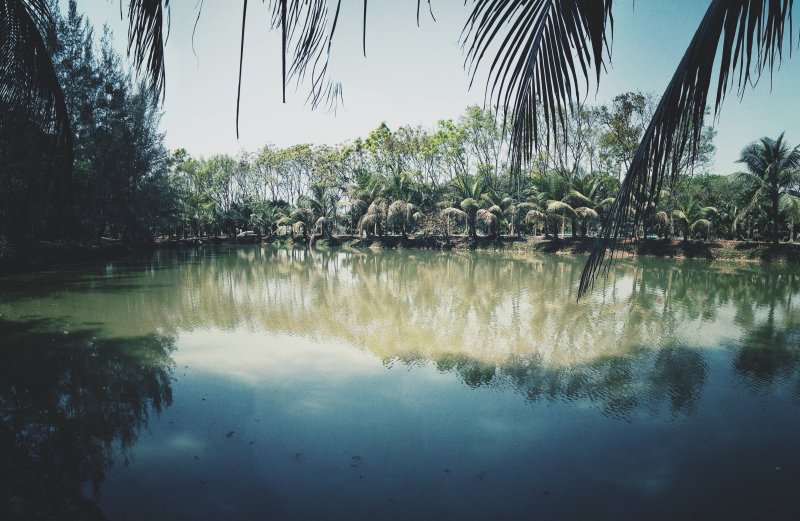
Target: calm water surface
{"points": [[266, 383]]}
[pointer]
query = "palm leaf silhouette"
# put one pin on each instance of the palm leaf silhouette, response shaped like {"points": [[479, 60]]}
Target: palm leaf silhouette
{"points": [[146, 40], [752, 36], [28, 83], [539, 49]]}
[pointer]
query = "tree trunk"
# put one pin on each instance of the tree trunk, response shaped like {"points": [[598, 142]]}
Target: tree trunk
{"points": [[775, 218]]}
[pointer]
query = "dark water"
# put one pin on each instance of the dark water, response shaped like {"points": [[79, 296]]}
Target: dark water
{"points": [[262, 383]]}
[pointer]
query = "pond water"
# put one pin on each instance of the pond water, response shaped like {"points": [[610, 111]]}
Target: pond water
{"points": [[293, 384]]}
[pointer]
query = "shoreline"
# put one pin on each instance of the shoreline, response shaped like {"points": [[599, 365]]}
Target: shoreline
{"points": [[713, 251], [53, 255]]}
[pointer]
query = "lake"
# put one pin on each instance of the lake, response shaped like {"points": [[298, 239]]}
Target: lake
{"points": [[259, 382]]}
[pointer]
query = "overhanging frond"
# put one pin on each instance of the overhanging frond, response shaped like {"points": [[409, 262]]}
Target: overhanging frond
{"points": [[752, 36], [539, 49], [29, 85], [146, 40]]}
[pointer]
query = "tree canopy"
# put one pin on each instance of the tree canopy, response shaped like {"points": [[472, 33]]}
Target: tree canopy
{"points": [[541, 56]]}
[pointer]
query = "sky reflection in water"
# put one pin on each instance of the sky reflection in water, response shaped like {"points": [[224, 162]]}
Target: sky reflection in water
{"points": [[396, 385]]}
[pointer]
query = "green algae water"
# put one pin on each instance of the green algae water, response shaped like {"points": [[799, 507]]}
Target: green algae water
{"points": [[302, 384]]}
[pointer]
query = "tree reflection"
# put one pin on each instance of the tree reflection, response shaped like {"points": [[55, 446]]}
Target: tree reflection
{"points": [[641, 379], [68, 401], [767, 356], [637, 343]]}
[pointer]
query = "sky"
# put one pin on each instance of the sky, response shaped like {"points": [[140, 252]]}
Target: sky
{"points": [[410, 76]]}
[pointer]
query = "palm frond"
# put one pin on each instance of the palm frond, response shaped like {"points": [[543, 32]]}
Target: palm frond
{"points": [[526, 207], [469, 205], [754, 200], [146, 40], [559, 207], [747, 29], [575, 195], [747, 178], [608, 201], [678, 215], [454, 212], [28, 83], [540, 48], [302, 214], [789, 206], [701, 224], [586, 213], [535, 216]]}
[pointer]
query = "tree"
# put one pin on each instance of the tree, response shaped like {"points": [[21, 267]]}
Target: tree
{"points": [[772, 174], [693, 217], [537, 50]]}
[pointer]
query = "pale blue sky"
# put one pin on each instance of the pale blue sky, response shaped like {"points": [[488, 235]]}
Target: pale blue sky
{"points": [[410, 76]]}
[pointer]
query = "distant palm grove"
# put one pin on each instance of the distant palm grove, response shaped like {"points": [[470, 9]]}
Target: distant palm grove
{"points": [[453, 179]]}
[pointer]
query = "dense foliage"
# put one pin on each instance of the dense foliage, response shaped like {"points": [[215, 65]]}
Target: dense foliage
{"points": [[120, 164], [455, 178]]}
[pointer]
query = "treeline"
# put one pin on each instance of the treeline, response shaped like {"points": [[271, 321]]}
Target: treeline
{"points": [[454, 178], [119, 186]]}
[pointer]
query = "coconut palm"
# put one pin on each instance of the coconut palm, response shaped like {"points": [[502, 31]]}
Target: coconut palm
{"points": [[489, 219], [373, 221], [536, 217], [470, 207], [301, 221], [453, 212], [541, 53], [517, 213], [692, 217], [588, 195], [401, 214], [772, 172], [790, 208], [664, 224], [557, 211]]}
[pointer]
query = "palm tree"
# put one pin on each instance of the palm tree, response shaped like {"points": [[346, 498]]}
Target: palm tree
{"points": [[450, 212], [470, 208], [542, 54], [588, 195], [518, 212], [401, 214], [790, 208], [301, 220], [692, 217], [772, 171]]}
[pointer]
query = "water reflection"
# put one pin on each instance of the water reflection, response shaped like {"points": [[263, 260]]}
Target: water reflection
{"points": [[639, 342], [644, 378], [396, 357], [69, 401]]}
